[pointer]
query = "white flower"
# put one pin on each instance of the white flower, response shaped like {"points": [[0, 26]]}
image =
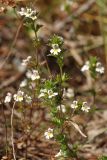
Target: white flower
{"points": [[19, 96], [42, 93], [28, 13], [33, 74], [99, 68], [85, 107], [51, 93], [28, 99], [69, 93], [22, 12], [23, 83], [61, 107], [59, 154], [55, 49], [74, 105], [8, 98], [49, 133], [85, 67], [25, 61]]}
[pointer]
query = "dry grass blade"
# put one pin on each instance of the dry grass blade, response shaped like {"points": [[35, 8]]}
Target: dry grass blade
{"points": [[78, 129]]}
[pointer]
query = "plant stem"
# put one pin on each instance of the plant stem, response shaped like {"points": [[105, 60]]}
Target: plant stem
{"points": [[61, 90], [12, 132], [6, 136]]}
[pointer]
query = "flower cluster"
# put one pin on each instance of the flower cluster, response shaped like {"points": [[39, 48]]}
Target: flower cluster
{"points": [[48, 93], [97, 67], [33, 74], [49, 133], [84, 107], [8, 97], [56, 44], [28, 13], [26, 61], [20, 96]]}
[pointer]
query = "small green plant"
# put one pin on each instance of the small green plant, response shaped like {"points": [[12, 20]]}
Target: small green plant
{"points": [[35, 91], [94, 66]]}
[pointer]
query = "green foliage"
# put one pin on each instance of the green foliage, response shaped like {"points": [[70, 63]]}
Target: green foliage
{"points": [[56, 40], [102, 3], [49, 84], [103, 158]]}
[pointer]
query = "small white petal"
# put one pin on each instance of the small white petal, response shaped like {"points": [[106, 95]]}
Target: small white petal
{"points": [[28, 13], [41, 95], [59, 154], [85, 67], [19, 96], [8, 98], [23, 83], [85, 107], [52, 50], [74, 105], [33, 74], [49, 133]]}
